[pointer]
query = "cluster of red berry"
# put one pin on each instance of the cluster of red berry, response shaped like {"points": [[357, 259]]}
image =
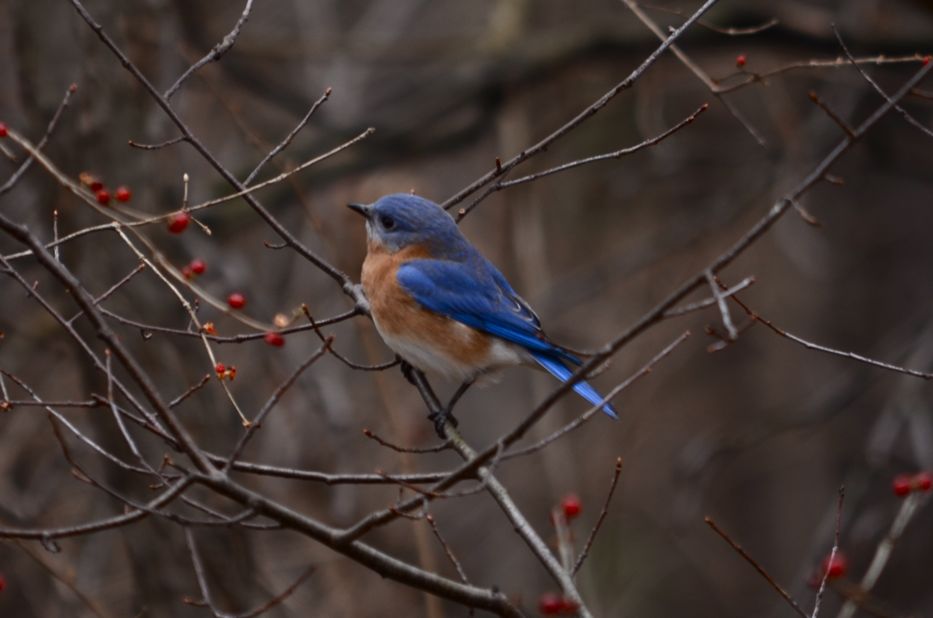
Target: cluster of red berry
{"points": [[194, 268], [100, 191], [903, 484], [224, 372]]}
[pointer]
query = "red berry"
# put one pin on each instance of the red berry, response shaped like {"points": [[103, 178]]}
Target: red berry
{"points": [[103, 196], [571, 506], [123, 194], [926, 60], [236, 301], [2, 583], [835, 566], [901, 485], [187, 273], [923, 481], [73, 88], [3, 129], [550, 604], [740, 60], [95, 185], [568, 606], [178, 222], [221, 369], [198, 266], [274, 339]]}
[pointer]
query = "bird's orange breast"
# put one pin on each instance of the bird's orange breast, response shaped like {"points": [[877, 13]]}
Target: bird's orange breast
{"points": [[399, 317]]}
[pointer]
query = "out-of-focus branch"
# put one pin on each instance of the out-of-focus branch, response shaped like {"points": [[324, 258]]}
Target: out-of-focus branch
{"points": [[216, 52], [760, 569], [900, 110], [905, 514], [11, 182], [696, 70], [347, 285], [616, 154], [531, 151]]}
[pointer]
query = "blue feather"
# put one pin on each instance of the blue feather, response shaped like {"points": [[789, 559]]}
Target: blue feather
{"points": [[563, 373], [475, 293]]}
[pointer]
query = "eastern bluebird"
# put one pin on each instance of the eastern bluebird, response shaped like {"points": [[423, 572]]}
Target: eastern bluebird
{"points": [[441, 306]]}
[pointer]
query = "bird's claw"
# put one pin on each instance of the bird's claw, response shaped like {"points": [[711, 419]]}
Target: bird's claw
{"points": [[407, 370], [440, 419]]}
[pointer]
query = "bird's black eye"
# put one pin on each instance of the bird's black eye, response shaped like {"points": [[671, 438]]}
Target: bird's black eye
{"points": [[387, 222]]}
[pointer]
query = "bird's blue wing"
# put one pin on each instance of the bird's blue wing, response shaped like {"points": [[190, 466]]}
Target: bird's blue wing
{"points": [[476, 294]]}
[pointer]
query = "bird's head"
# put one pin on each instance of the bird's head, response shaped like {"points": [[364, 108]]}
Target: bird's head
{"points": [[400, 220]]}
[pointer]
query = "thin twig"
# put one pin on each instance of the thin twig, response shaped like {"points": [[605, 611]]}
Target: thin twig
{"points": [[270, 403], [281, 597], [709, 302], [842, 124], [832, 554], [288, 138], [216, 52], [900, 110], [160, 145], [616, 154], [67, 579], [443, 446], [201, 575], [749, 77], [447, 550], [697, 71], [12, 180], [827, 350], [116, 286], [905, 514], [601, 518], [723, 307], [527, 153], [761, 571], [190, 390], [767, 25]]}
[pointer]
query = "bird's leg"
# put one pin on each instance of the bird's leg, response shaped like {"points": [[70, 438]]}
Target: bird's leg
{"points": [[457, 395], [407, 370], [446, 414]]}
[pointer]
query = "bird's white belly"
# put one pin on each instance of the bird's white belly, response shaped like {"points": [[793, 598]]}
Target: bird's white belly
{"points": [[431, 358]]}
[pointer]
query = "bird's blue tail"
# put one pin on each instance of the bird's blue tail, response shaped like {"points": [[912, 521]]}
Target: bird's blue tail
{"points": [[560, 371]]}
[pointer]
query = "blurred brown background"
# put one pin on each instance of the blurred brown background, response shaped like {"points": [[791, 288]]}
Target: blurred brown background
{"points": [[758, 435]]}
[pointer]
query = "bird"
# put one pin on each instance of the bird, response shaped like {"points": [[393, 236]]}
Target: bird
{"points": [[441, 306]]}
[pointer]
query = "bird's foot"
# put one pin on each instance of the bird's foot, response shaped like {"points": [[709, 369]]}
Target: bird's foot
{"points": [[440, 419], [407, 370]]}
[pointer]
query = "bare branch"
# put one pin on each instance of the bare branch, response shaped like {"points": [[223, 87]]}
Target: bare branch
{"points": [[12, 180], [527, 153], [832, 555], [761, 570], [900, 110], [216, 52], [616, 154], [602, 517], [288, 138]]}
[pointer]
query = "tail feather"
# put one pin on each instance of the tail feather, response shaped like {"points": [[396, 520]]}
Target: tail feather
{"points": [[560, 371]]}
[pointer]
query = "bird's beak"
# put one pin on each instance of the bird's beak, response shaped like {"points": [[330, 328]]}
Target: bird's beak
{"points": [[363, 209]]}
